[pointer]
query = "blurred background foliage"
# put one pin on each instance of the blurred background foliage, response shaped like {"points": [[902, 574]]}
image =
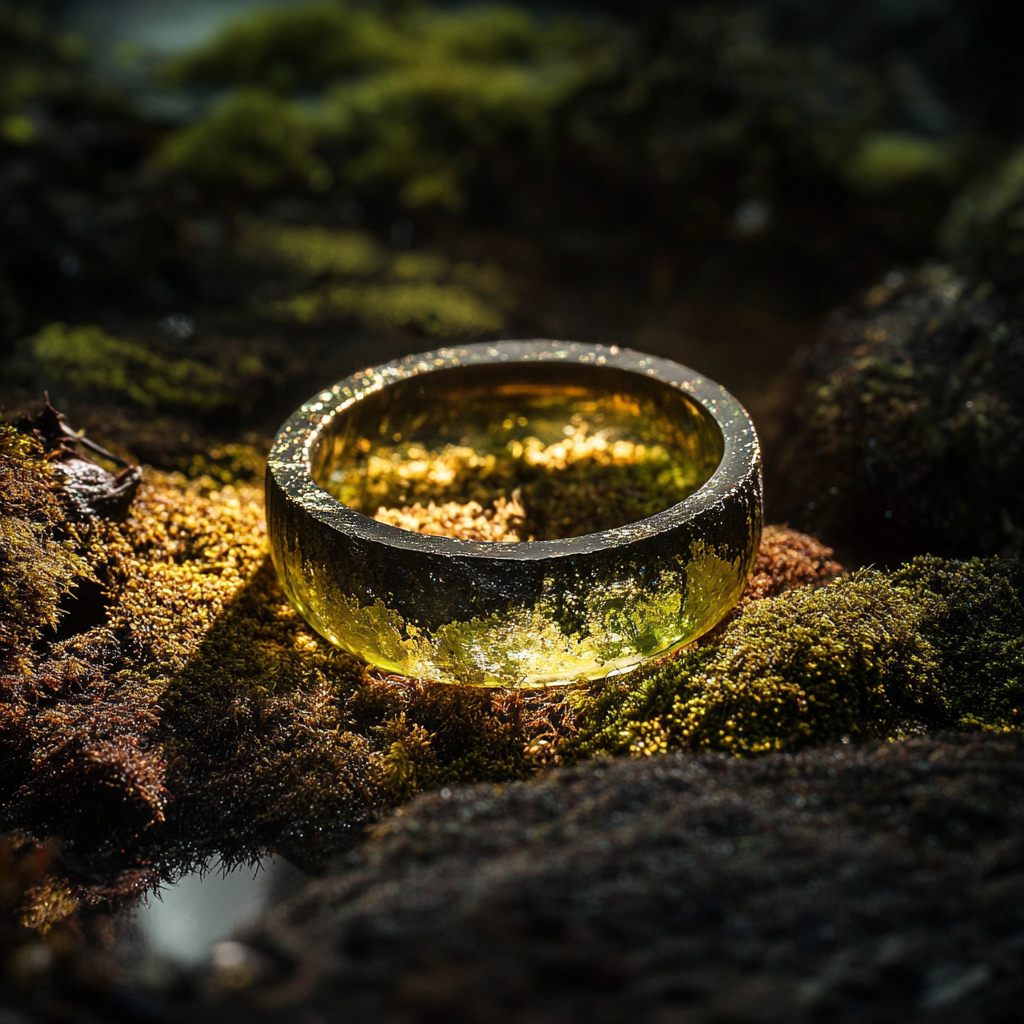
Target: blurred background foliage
{"points": [[253, 199]]}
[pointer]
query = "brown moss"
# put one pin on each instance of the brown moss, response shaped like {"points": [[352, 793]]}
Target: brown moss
{"points": [[787, 560]]}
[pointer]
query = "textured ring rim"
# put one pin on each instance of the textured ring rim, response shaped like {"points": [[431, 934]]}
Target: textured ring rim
{"points": [[290, 460]]}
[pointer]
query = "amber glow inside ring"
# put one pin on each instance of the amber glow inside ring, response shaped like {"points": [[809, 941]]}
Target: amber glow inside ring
{"points": [[527, 614]]}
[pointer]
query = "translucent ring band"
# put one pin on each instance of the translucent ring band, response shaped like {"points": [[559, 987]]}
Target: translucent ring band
{"points": [[524, 614]]}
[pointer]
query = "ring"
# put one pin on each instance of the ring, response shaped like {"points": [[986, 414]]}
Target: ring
{"points": [[565, 437]]}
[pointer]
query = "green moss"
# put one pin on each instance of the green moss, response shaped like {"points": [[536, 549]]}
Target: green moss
{"points": [[18, 130], [253, 138], [886, 160], [934, 646], [88, 360], [412, 102], [313, 251], [413, 291], [291, 49], [39, 563], [973, 618], [34, 65], [440, 310], [420, 127], [320, 43], [984, 230]]}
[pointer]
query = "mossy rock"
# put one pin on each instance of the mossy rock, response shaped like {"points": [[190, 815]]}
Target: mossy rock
{"points": [[413, 99], [325, 276], [909, 433], [935, 645], [984, 231], [86, 360], [849, 883]]}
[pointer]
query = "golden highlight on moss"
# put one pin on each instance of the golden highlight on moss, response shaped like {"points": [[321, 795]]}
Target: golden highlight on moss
{"points": [[935, 645]]}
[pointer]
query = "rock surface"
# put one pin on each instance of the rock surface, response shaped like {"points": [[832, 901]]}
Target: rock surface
{"points": [[909, 434], [848, 883]]}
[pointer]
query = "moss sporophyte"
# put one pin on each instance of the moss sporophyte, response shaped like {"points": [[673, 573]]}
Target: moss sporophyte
{"points": [[548, 487]]}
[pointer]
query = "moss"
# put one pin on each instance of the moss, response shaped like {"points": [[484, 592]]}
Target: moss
{"points": [[313, 251], [39, 563], [973, 618], [411, 97], [440, 310], [18, 130], [223, 464], [330, 275], [933, 646], [35, 64], [887, 160], [418, 128], [300, 48], [253, 138], [88, 360], [984, 230]]}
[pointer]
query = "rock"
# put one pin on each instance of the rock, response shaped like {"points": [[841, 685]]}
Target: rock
{"points": [[874, 883], [95, 490], [909, 433]]}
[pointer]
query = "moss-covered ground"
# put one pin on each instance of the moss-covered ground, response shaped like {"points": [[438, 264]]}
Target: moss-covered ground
{"points": [[163, 703], [348, 185]]}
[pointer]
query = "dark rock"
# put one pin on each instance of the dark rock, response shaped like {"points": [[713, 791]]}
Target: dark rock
{"points": [[95, 490], [880, 883], [909, 433]]}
